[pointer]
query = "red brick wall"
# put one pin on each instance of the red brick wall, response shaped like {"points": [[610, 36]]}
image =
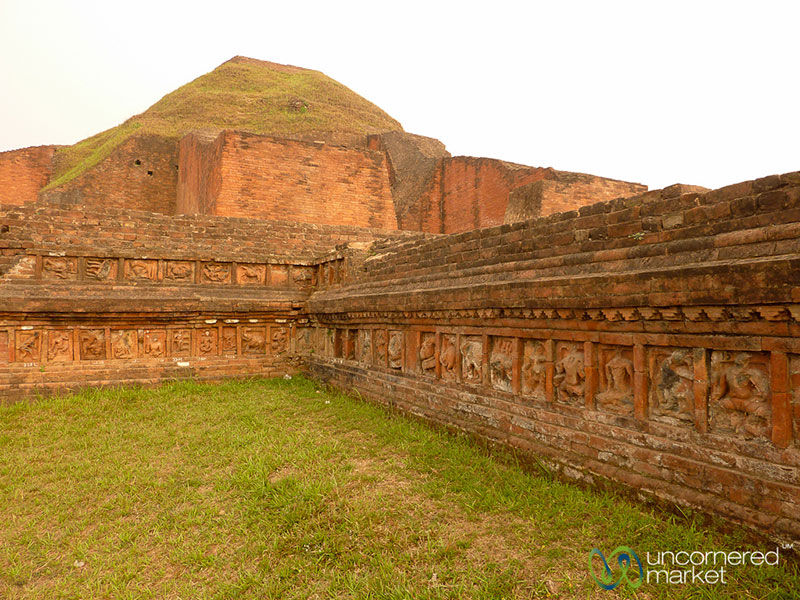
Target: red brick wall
{"points": [[140, 174], [199, 177], [23, 173], [468, 193], [653, 341], [279, 179]]}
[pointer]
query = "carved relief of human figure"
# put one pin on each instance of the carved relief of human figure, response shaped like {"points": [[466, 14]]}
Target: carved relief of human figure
{"points": [[569, 374], [395, 350], [154, 344], [675, 381], [619, 376], [743, 390], [427, 354], [59, 346], [534, 371], [207, 342]]}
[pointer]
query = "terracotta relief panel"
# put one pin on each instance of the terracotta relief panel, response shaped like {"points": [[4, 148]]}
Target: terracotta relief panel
{"points": [[59, 346], [251, 274], [59, 267], [154, 344], [395, 350], [254, 340], [427, 354], [472, 359], [92, 344], [207, 342], [381, 346], [739, 400], [280, 340], [279, 275], [4, 351], [229, 340], [365, 346], [123, 344], [141, 270], [534, 369], [448, 357], [501, 359], [215, 272], [179, 270], [303, 342], [302, 276], [29, 346], [101, 269], [180, 342], [615, 393], [570, 376], [671, 397]]}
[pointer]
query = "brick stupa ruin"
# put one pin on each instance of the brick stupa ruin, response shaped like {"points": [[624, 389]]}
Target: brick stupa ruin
{"points": [[264, 219]]}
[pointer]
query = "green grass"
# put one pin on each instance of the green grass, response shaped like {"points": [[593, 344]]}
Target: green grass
{"points": [[281, 489], [241, 94]]}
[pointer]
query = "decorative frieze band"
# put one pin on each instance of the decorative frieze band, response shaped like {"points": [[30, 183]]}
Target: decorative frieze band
{"points": [[229, 337], [752, 396], [172, 271]]}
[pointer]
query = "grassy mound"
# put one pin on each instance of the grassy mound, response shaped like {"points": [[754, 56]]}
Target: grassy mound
{"points": [[245, 94]]}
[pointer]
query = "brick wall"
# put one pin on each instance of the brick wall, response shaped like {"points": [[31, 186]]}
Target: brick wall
{"points": [[289, 180], [23, 173], [653, 341], [140, 174], [199, 177]]}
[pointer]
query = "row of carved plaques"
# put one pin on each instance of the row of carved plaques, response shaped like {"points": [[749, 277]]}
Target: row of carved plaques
{"points": [[59, 345], [735, 393], [176, 271]]}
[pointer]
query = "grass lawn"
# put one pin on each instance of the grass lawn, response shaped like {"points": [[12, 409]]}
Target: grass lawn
{"points": [[280, 489]]}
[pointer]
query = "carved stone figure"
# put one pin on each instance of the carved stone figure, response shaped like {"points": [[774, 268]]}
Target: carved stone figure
{"points": [[501, 360], [448, 357], [365, 346], [141, 270], [302, 276], [254, 341], [179, 270], [739, 400], [123, 344], [251, 274], [216, 272], [534, 369], [280, 340], [616, 393], [155, 343], [181, 342], [395, 350], [569, 375], [93, 344], [673, 378], [303, 340], [472, 360], [380, 346], [59, 346], [101, 269], [29, 345], [229, 340], [59, 267], [207, 342]]}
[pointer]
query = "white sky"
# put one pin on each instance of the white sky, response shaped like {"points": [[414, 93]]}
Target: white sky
{"points": [[699, 92]]}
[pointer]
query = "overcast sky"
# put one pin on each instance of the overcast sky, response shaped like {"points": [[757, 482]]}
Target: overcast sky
{"points": [[694, 92]]}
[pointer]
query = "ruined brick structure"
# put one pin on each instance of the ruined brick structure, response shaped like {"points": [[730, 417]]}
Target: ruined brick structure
{"points": [[646, 338]]}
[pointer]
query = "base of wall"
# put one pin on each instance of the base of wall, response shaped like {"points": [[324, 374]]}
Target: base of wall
{"points": [[540, 441]]}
